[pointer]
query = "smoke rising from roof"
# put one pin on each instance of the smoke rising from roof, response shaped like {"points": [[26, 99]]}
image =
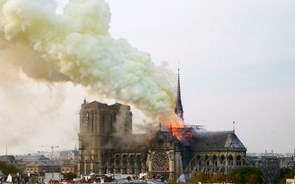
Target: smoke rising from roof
{"points": [[42, 52], [76, 46]]}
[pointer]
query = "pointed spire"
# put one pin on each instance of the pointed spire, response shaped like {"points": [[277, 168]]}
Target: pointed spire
{"points": [[178, 108]]}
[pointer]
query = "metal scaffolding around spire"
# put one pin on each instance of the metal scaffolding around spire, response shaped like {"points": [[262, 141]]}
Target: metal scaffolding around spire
{"points": [[179, 108]]}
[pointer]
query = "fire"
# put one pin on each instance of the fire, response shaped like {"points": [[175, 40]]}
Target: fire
{"points": [[175, 124]]}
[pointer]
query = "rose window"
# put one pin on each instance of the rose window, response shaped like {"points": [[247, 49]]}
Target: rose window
{"points": [[160, 161]]}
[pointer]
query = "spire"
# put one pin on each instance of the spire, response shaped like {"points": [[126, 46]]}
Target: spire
{"points": [[178, 108]]}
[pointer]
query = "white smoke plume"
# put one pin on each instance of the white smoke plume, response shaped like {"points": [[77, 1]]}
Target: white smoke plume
{"points": [[76, 46]]}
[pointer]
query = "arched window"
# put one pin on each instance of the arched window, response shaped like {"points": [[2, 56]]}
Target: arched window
{"points": [[239, 163], [214, 160], [230, 160], [138, 159], [222, 157]]}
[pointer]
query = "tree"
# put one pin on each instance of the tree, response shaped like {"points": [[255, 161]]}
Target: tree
{"points": [[218, 178], [200, 177], [242, 175], [247, 175], [69, 176], [284, 174], [8, 169], [253, 178], [171, 181]]}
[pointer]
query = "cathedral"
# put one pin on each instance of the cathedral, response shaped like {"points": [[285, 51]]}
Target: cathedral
{"points": [[107, 144]]}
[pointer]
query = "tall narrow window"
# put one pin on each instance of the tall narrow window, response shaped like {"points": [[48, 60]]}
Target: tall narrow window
{"points": [[87, 118], [102, 122]]}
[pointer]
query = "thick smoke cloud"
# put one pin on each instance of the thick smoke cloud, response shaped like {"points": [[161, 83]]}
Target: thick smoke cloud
{"points": [[76, 46]]}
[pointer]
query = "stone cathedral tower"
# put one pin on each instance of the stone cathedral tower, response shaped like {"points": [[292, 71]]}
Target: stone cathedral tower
{"points": [[99, 125]]}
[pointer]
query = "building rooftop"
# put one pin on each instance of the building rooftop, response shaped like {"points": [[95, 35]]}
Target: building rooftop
{"points": [[215, 140]]}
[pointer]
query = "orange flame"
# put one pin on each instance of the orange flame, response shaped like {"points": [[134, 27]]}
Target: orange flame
{"points": [[174, 123]]}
